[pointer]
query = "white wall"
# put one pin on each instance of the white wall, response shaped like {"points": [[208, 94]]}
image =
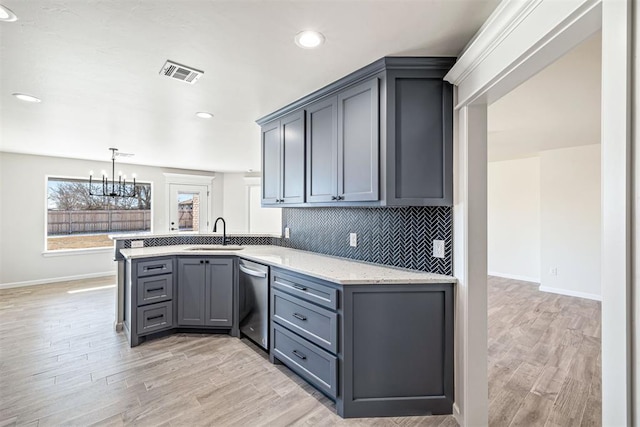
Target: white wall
{"points": [[514, 219], [544, 220], [235, 203], [242, 210], [571, 221], [22, 217]]}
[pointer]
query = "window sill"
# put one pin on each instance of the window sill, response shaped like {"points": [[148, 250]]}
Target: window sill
{"points": [[83, 251]]}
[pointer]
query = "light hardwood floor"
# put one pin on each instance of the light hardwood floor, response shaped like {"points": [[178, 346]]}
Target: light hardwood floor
{"points": [[544, 357], [61, 363]]}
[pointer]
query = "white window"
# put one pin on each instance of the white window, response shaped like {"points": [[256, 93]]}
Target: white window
{"points": [[78, 220]]}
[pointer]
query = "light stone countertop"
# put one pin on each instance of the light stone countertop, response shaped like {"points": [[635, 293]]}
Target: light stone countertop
{"points": [[149, 235], [333, 269]]}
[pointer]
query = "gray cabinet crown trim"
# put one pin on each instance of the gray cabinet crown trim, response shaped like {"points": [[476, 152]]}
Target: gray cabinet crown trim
{"points": [[439, 65]]}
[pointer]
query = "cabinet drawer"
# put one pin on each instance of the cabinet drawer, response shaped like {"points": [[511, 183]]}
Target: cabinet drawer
{"points": [[306, 289], [314, 323], [155, 266], [155, 289], [155, 317], [307, 360]]}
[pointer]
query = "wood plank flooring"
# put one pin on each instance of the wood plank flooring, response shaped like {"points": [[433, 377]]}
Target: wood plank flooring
{"points": [[544, 357], [61, 363]]}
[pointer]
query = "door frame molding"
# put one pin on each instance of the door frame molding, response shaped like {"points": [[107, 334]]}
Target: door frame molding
{"points": [[518, 40], [187, 179]]}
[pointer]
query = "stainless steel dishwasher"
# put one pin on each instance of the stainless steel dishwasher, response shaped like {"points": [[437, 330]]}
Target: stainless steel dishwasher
{"points": [[254, 302]]}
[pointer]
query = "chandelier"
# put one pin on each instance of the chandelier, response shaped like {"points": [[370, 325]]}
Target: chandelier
{"points": [[114, 188]]}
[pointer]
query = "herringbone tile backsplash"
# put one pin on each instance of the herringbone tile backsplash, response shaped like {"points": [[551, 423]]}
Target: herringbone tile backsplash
{"points": [[400, 237]]}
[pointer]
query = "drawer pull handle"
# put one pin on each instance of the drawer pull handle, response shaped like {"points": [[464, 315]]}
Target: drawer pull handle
{"points": [[300, 355], [302, 288], [154, 289], [155, 317], [299, 316], [154, 267]]}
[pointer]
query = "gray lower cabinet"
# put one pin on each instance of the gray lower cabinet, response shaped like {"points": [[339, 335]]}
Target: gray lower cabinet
{"points": [[381, 136], [167, 293], [205, 291], [283, 154], [377, 350], [149, 290]]}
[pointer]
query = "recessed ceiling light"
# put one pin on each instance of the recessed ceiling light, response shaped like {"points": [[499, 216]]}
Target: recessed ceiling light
{"points": [[204, 115], [25, 97], [309, 39], [6, 15]]}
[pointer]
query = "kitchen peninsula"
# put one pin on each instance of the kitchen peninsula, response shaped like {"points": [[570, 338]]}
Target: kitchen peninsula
{"points": [[376, 339]]}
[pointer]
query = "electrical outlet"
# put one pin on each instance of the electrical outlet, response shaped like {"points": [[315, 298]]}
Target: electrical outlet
{"points": [[438, 248], [554, 271], [137, 243], [287, 233], [353, 239]]}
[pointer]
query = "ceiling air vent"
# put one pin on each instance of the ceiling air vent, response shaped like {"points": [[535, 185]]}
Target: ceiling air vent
{"points": [[180, 72]]}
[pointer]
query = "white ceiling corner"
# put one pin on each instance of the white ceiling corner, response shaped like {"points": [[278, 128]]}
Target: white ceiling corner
{"points": [[559, 107]]}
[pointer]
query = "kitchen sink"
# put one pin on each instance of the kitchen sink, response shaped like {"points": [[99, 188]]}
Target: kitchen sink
{"points": [[215, 248]]}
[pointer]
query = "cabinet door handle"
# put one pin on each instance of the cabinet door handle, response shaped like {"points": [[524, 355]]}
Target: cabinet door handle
{"points": [[340, 197], [334, 198], [155, 289], [299, 316], [155, 317], [201, 261], [154, 267], [206, 262], [301, 288], [298, 354]]}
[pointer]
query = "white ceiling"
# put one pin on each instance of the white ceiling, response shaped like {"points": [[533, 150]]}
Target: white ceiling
{"points": [[557, 108], [95, 65]]}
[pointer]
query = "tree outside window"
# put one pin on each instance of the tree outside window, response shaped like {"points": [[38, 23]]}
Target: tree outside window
{"points": [[77, 220]]}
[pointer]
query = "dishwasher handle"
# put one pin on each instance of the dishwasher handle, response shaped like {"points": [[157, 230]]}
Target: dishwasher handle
{"points": [[253, 273]]}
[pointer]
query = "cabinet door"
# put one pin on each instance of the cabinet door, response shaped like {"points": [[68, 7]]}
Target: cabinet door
{"points": [[219, 292], [420, 162], [358, 142], [271, 169], [191, 292], [322, 150], [292, 134]]}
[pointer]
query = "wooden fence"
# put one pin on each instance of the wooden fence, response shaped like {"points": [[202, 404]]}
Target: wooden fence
{"points": [[97, 221]]}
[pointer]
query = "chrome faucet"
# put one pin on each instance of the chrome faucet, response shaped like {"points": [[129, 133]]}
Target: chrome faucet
{"points": [[225, 239]]}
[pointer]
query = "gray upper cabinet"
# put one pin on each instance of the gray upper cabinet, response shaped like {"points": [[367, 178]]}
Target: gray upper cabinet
{"points": [[381, 136], [322, 150], [343, 146], [271, 154], [358, 143], [283, 160]]}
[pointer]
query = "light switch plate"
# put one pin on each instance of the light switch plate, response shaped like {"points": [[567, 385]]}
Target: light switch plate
{"points": [[287, 233], [353, 240], [137, 243], [438, 248]]}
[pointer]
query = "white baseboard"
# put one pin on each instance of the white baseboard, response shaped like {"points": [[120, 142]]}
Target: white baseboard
{"points": [[571, 293], [56, 279], [457, 415], [515, 277]]}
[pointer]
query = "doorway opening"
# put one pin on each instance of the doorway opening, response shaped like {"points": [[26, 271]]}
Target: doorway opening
{"points": [[544, 245], [188, 208]]}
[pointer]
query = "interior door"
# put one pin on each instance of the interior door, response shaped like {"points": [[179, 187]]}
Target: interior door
{"points": [[188, 208]]}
